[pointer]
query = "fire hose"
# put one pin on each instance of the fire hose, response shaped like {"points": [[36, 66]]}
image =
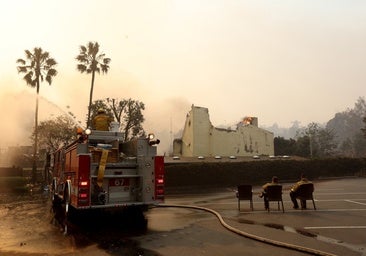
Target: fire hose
{"points": [[252, 236]]}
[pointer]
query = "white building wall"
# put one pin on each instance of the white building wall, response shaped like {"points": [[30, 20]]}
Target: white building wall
{"points": [[201, 138], [195, 139], [187, 138]]}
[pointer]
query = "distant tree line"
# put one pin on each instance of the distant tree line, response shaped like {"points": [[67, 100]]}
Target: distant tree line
{"points": [[344, 135]]}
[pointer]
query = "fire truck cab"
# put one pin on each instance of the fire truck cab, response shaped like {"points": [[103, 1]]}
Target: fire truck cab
{"points": [[100, 170]]}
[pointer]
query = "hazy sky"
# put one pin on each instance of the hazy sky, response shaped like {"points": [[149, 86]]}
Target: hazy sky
{"points": [[281, 61]]}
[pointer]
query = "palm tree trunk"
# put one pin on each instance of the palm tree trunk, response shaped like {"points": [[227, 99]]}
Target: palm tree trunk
{"points": [[90, 99], [35, 147]]}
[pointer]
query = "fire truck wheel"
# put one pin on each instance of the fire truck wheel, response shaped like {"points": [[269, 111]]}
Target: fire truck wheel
{"points": [[67, 210], [67, 192], [54, 186], [53, 189], [135, 218]]}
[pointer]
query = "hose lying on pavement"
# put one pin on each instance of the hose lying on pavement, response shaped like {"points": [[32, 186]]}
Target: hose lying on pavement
{"points": [[251, 236]]}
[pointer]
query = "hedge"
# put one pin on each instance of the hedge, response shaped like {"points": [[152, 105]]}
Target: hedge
{"points": [[230, 174]]}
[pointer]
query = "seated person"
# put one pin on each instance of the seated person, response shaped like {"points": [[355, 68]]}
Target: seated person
{"points": [[294, 190], [264, 192], [102, 121]]}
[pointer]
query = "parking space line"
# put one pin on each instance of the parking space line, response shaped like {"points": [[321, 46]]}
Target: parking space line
{"points": [[339, 200], [351, 201], [340, 193], [337, 227]]}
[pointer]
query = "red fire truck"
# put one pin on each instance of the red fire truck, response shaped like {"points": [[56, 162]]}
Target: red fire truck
{"points": [[101, 171]]}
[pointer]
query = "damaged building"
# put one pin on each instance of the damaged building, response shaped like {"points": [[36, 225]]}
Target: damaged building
{"points": [[201, 138]]}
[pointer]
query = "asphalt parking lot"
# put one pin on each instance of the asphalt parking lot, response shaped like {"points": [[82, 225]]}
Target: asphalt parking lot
{"points": [[337, 227], [339, 222]]}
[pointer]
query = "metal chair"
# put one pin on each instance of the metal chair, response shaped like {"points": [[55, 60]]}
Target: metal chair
{"points": [[274, 193], [305, 192], [245, 192]]}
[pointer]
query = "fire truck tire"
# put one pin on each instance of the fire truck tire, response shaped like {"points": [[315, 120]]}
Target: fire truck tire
{"points": [[135, 218], [67, 192], [67, 200], [53, 189]]}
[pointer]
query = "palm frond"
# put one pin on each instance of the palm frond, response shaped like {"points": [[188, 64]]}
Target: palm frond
{"points": [[100, 57], [45, 56], [104, 68], [28, 54], [82, 68], [51, 62], [39, 64], [29, 79], [83, 49], [22, 69], [93, 48], [82, 58], [49, 79], [21, 61], [106, 61], [52, 72]]}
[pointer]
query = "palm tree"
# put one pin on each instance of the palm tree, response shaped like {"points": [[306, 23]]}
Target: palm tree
{"points": [[38, 66], [90, 62]]}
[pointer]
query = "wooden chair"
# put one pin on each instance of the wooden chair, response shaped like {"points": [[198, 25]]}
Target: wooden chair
{"points": [[305, 192], [245, 192], [274, 193]]}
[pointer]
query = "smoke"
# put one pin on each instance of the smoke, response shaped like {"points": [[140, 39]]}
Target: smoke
{"points": [[18, 110], [163, 117], [166, 119], [18, 118]]}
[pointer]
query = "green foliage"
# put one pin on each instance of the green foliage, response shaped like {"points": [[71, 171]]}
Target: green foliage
{"points": [[312, 141], [326, 143], [343, 135], [54, 133], [284, 147], [38, 66], [231, 174], [359, 145], [303, 146], [347, 127], [364, 128]]}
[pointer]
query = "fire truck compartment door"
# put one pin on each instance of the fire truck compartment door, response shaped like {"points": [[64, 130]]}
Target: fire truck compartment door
{"points": [[119, 190]]}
